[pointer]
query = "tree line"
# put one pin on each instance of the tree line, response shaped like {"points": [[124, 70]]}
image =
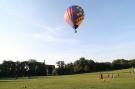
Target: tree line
{"points": [[82, 65], [85, 66], [25, 68]]}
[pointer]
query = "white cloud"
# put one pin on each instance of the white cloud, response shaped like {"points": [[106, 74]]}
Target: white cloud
{"points": [[50, 34], [54, 39]]}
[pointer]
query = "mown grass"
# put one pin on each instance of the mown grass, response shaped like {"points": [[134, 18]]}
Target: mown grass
{"points": [[78, 81]]}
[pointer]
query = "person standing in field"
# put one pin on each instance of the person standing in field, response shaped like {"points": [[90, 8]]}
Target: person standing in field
{"points": [[108, 75], [101, 75], [118, 75], [112, 75]]}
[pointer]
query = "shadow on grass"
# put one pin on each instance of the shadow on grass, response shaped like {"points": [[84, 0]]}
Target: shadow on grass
{"points": [[4, 79], [9, 81]]}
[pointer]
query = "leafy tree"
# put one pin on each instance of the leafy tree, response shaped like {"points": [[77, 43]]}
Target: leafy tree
{"points": [[132, 63], [69, 68], [120, 64], [81, 65]]}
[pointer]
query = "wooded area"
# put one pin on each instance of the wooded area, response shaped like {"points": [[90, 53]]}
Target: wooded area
{"points": [[34, 68]]}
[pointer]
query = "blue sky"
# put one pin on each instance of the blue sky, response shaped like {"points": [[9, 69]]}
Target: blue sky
{"points": [[36, 29]]}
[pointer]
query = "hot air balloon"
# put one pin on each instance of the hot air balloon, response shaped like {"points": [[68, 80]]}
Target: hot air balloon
{"points": [[74, 15]]}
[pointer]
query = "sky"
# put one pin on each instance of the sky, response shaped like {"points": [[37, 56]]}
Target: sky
{"points": [[35, 29]]}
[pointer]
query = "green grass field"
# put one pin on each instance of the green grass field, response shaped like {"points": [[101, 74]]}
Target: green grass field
{"points": [[78, 81]]}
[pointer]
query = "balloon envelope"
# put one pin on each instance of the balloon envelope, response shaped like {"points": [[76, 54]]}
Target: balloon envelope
{"points": [[74, 15]]}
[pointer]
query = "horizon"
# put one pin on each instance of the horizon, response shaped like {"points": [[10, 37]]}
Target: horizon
{"points": [[66, 62], [37, 30]]}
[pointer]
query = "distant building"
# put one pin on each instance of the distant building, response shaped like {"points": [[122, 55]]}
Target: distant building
{"points": [[50, 69]]}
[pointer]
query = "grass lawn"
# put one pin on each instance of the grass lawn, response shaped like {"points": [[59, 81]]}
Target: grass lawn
{"points": [[78, 81]]}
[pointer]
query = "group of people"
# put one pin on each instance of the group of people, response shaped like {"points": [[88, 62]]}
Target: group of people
{"points": [[114, 75], [110, 75]]}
